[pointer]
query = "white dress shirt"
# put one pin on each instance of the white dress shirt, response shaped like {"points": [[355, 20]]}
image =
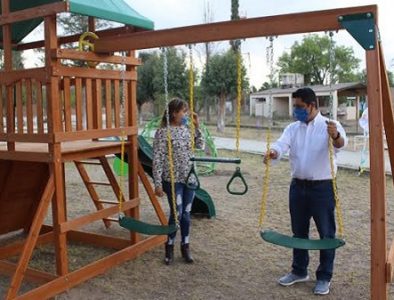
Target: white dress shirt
{"points": [[308, 146]]}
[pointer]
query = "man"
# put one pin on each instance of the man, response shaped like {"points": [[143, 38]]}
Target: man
{"points": [[311, 191]]}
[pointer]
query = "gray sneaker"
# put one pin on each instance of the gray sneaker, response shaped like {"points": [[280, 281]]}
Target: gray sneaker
{"points": [[322, 287], [290, 279]]}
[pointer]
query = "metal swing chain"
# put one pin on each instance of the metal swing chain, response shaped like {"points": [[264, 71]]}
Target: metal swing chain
{"points": [[338, 208], [239, 97], [266, 178], [169, 138], [191, 99], [123, 135]]}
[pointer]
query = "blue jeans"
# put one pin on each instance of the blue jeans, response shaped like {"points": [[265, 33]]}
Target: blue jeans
{"points": [[315, 200], [184, 200]]}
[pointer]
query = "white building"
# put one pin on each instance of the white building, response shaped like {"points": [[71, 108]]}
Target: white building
{"points": [[281, 103]]}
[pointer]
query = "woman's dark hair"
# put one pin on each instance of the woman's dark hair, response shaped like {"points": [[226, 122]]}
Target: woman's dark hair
{"points": [[307, 95], [174, 106]]}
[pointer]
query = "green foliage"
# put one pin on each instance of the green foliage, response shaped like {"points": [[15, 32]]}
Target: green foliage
{"points": [[221, 77], [311, 58], [151, 76], [391, 78]]}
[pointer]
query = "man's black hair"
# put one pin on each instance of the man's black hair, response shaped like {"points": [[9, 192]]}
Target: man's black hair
{"points": [[306, 94]]}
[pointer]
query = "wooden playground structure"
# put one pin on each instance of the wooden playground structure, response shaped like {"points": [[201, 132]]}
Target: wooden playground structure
{"points": [[40, 131]]}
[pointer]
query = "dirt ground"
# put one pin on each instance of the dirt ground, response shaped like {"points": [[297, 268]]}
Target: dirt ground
{"points": [[231, 260]]}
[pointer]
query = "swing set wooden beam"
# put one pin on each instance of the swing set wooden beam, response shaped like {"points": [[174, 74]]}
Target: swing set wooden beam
{"points": [[240, 29]]}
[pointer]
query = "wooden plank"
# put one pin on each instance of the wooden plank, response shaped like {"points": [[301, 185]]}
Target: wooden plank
{"points": [[34, 12], [390, 264], [91, 190], [377, 178], [86, 153], [132, 149], [93, 134], [95, 268], [149, 190], [40, 111], [31, 239], [10, 77], [75, 37], [78, 102], [67, 104], [59, 213], [29, 107], [388, 114], [97, 104], [30, 138], [92, 73], [19, 106], [89, 103], [96, 216], [108, 104], [7, 55], [2, 108], [32, 275], [98, 240], [117, 103], [25, 156], [91, 56], [17, 247], [294, 23]]}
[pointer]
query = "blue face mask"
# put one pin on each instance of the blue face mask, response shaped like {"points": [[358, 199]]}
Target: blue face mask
{"points": [[184, 120], [300, 114]]}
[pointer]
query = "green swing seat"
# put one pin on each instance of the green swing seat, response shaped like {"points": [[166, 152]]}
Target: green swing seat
{"points": [[298, 243], [145, 228]]}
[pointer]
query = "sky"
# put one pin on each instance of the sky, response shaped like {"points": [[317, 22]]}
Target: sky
{"points": [[178, 13]]}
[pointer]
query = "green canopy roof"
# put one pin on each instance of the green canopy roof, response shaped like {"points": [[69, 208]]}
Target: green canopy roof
{"points": [[112, 10]]}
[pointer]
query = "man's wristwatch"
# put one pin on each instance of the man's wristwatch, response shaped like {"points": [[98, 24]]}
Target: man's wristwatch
{"points": [[337, 137]]}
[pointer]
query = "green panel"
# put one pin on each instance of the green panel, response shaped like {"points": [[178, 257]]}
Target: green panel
{"points": [[297, 243], [21, 29], [145, 228], [361, 27], [113, 10]]}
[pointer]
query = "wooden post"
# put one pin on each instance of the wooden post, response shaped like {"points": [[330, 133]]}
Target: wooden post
{"points": [[377, 178], [55, 125], [132, 120], [7, 47]]}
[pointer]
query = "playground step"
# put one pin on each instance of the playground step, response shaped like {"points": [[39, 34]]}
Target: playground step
{"points": [[88, 162], [98, 183], [108, 202]]}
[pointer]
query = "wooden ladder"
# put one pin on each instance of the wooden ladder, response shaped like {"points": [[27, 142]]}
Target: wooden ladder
{"points": [[90, 185]]}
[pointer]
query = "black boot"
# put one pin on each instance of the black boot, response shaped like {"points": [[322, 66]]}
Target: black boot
{"points": [[187, 256], [169, 254]]}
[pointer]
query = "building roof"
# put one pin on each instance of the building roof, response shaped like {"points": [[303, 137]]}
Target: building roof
{"points": [[111, 10], [355, 87]]}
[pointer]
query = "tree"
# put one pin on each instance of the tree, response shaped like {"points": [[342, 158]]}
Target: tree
{"points": [[311, 58], [220, 80], [391, 78], [17, 59], [235, 44], [150, 85]]}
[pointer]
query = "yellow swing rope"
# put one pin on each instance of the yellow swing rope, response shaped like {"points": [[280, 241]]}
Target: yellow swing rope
{"points": [[266, 177], [338, 209]]}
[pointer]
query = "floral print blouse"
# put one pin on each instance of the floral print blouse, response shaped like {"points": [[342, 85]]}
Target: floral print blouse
{"points": [[181, 144]]}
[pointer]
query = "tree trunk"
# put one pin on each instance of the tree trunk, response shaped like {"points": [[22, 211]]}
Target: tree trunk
{"points": [[221, 113]]}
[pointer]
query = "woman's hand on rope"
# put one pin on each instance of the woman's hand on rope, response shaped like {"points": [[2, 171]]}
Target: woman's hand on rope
{"points": [[195, 120], [272, 154], [159, 192]]}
